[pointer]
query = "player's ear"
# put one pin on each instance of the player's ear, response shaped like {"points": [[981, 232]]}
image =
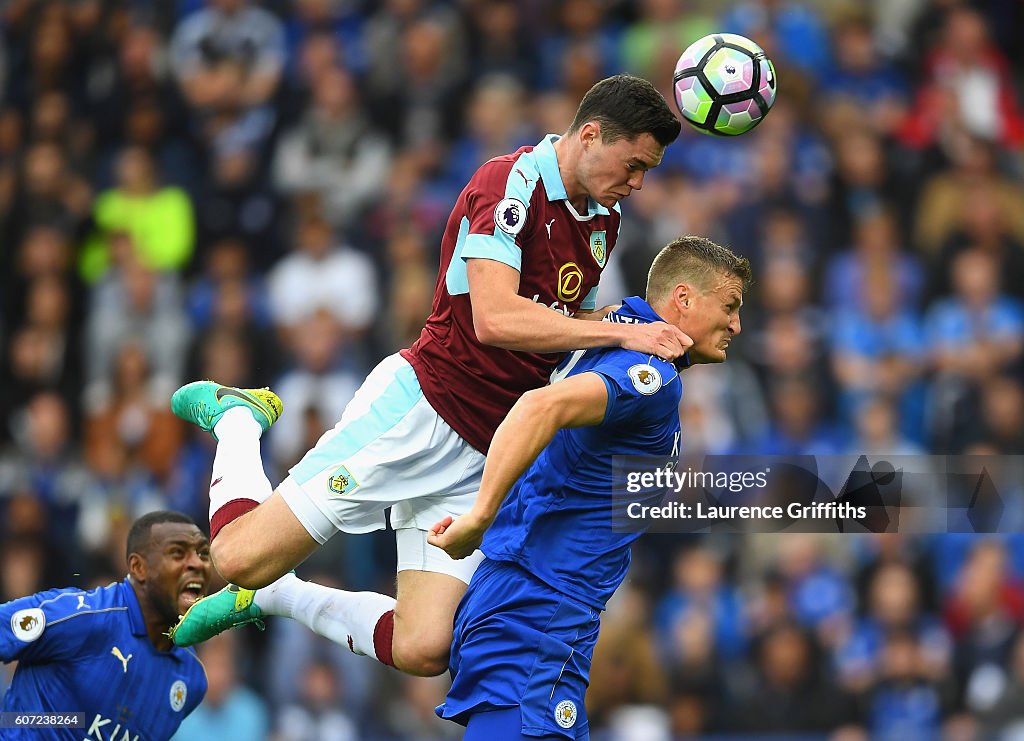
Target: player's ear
{"points": [[683, 296], [137, 567], [590, 132]]}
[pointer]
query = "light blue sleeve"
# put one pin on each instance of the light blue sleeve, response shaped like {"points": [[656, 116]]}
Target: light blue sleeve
{"points": [[498, 246]]}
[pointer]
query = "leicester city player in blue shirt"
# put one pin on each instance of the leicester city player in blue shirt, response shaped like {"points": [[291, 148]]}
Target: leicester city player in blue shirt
{"points": [[526, 628], [104, 654]]}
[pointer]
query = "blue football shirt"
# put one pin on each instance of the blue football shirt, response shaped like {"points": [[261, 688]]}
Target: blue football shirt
{"points": [[556, 522], [88, 652]]}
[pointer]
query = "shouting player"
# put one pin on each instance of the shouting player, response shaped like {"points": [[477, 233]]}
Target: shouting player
{"points": [[105, 654], [521, 257], [526, 629]]}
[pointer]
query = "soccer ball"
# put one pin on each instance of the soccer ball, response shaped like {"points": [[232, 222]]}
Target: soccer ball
{"points": [[724, 84]]}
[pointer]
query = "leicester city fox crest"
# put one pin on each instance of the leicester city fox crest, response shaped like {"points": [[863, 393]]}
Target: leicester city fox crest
{"points": [[565, 713], [599, 247]]}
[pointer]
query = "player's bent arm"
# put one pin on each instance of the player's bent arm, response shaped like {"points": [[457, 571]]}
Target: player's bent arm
{"points": [[527, 429], [503, 318]]}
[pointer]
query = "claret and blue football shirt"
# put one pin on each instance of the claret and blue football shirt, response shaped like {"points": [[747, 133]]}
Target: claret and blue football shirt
{"points": [[514, 210]]}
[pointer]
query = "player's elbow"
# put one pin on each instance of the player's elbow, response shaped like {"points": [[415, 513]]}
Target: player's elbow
{"points": [[489, 329], [539, 407]]}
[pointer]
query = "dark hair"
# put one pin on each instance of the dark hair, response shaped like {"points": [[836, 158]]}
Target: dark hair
{"points": [[697, 260], [138, 536], [626, 107]]}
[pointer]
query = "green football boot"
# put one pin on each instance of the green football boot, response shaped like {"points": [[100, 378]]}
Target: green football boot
{"points": [[203, 403], [231, 607]]}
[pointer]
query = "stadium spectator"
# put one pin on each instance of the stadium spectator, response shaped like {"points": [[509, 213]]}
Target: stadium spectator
{"points": [[906, 701], [1003, 414], [715, 423], [878, 348], [50, 193], [865, 77], [496, 123], [794, 33], [953, 331], [134, 418], [228, 56], [966, 88], [316, 714], [322, 274], [500, 43], [334, 151], [875, 253], [416, 93], [894, 604], [984, 226], [945, 197], [158, 219], [876, 431], [46, 466], [698, 588], [136, 102], [134, 304], [662, 27], [320, 382], [625, 671], [1005, 712], [789, 694], [410, 288], [576, 23], [45, 350]]}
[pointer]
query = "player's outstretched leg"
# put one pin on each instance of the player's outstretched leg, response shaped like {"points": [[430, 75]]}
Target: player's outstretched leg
{"points": [[413, 634], [236, 418], [347, 618]]}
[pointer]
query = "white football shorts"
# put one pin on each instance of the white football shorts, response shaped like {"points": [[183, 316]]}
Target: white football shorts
{"points": [[390, 449]]}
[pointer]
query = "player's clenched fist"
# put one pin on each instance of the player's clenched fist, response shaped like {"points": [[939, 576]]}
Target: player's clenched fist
{"points": [[458, 537], [658, 338]]}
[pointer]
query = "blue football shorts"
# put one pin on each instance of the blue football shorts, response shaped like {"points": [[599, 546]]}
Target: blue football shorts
{"points": [[518, 643]]}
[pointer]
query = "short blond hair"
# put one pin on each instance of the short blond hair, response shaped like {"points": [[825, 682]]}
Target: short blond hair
{"points": [[696, 261]]}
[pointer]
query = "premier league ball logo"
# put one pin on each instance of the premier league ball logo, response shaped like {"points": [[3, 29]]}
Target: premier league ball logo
{"points": [[510, 215]]}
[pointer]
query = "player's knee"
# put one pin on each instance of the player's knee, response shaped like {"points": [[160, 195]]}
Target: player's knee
{"points": [[229, 563], [422, 658]]}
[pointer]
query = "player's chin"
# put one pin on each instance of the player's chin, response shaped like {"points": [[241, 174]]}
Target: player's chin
{"points": [[718, 355]]}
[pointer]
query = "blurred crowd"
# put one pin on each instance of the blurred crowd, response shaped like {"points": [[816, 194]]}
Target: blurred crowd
{"points": [[254, 192]]}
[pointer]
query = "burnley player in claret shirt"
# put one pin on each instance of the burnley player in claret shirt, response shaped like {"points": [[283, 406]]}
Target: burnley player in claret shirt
{"points": [[521, 258]]}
